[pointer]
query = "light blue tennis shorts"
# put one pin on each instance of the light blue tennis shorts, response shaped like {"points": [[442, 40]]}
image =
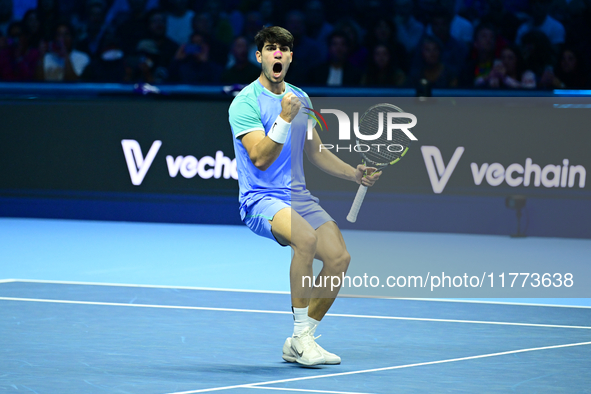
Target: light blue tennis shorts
{"points": [[257, 219]]}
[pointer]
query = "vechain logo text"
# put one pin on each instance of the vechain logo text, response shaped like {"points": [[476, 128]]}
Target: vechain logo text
{"points": [[514, 175], [206, 167], [189, 166]]}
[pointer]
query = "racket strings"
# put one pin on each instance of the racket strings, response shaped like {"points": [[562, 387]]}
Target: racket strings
{"points": [[382, 150]]}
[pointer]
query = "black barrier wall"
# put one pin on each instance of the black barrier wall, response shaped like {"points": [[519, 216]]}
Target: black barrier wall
{"points": [[169, 147], [173, 161]]}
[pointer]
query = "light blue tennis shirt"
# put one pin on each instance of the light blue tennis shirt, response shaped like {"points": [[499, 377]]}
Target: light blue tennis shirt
{"points": [[256, 108]]}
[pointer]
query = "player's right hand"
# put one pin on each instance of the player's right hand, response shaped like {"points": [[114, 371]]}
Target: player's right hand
{"points": [[366, 176], [290, 106]]}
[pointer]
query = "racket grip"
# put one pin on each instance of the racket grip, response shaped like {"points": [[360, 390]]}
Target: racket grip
{"points": [[352, 216]]}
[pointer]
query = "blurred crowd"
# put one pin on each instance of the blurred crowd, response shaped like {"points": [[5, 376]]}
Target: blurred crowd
{"points": [[508, 44]]}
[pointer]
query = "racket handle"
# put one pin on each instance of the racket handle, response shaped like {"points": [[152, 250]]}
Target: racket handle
{"points": [[352, 216]]}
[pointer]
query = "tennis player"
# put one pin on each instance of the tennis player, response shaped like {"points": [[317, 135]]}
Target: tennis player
{"points": [[269, 126]]}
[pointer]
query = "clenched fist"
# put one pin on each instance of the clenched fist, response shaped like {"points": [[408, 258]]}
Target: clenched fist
{"points": [[290, 106]]}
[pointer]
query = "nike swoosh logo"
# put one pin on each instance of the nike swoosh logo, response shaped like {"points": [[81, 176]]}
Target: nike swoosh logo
{"points": [[299, 354]]}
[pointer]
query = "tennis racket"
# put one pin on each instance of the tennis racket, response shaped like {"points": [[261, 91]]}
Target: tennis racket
{"points": [[381, 152]]}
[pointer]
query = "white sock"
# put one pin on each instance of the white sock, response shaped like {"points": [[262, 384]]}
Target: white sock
{"points": [[300, 320], [313, 323]]}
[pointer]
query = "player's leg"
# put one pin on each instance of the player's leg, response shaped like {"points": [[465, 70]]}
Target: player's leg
{"points": [[289, 228], [332, 251]]}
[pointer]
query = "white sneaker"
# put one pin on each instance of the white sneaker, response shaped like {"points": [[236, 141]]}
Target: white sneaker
{"points": [[290, 356], [305, 350]]}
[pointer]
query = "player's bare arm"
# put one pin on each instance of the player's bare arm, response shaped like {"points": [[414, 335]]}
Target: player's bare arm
{"points": [[331, 164], [261, 148]]}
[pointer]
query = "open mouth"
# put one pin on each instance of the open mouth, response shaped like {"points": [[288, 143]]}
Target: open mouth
{"points": [[277, 68]]}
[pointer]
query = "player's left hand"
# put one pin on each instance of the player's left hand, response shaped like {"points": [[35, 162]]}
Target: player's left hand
{"points": [[366, 176]]}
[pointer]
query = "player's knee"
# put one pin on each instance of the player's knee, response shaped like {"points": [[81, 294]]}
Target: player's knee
{"points": [[306, 243], [340, 263]]}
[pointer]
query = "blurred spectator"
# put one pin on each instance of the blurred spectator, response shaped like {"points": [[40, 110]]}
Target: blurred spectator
{"points": [[317, 27], [408, 30], [452, 51], [32, 25], [505, 22], [578, 30], [368, 12], [473, 10], [305, 50], [157, 33], [60, 61], [433, 69], [508, 72], [569, 72], [243, 71], [48, 13], [558, 10], [121, 10], [267, 12], [516, 6], [338, 71], [92, 27], [109, 64], [5, 16], [384, 33], [72, 10], [357, 52], [222, 28], [541, 21], [480, 64], [537, 52], [382, 70], [145, 64], [218, 51], [459, 27], [18, 62], [191, 64], [179, 21], [253, 22], [132, 24]]}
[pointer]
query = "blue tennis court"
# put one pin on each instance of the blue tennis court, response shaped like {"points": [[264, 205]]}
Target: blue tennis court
{"points": [[78, 323]]}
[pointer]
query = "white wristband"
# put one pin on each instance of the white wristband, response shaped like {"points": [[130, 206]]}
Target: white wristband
{"points": [[279, 130]]}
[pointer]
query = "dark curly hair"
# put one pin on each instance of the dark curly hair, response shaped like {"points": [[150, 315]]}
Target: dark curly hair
{"points": [[273, 35]]}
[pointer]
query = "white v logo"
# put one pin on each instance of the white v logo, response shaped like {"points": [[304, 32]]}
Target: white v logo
{"points": [[432, 157], [137, 165]]}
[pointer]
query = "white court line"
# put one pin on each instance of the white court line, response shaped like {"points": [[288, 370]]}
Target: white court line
{"points": [[458, 321], [202, 308], [6, 280], [287, 292], [302, 390], [475, 302], [62, 282], [330, 375], [199, 308]]}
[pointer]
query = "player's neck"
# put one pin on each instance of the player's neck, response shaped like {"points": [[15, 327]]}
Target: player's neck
{"points": [[275, 88]]}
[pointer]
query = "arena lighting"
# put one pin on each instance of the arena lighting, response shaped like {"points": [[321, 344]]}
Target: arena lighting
{"points": [[517, 203]]}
